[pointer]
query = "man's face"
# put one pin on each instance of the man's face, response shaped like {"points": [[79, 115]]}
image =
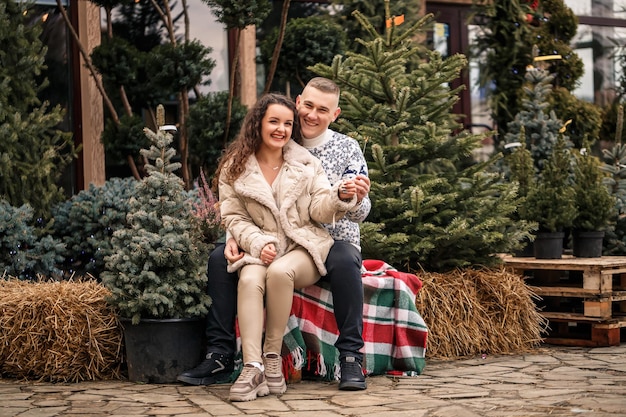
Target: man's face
{"points": [[317, 110]]}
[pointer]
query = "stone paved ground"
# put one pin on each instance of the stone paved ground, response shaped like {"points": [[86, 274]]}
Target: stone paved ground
{"points": [[553, 381]]}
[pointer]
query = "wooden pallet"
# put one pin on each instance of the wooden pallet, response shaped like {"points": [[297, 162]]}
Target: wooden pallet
{"points": [[584, 299], [571, 330]]}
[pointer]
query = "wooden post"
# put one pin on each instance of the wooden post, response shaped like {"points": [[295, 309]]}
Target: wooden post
{"points": [[247, 66], [91, 113]]}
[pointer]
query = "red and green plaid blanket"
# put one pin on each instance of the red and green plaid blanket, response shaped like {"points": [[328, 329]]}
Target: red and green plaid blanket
{"points": [[393, 330]]}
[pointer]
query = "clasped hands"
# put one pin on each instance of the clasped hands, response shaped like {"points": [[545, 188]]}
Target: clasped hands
{"points": [[360, 186], [233, 253]]}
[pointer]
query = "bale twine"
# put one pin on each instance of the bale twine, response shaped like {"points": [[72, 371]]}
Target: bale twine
{"points": [[58, 331], [471, 312]]}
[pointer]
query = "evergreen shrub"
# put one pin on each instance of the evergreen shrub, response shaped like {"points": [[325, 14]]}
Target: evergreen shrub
{"points": [[157, 268], [25, 250], [596, 206], [87, 221]]}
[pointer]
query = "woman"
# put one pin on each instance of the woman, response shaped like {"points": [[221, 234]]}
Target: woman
{"points": [[273, 195]]}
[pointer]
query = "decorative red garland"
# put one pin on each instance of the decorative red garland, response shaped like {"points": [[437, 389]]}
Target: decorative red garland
{"points": [[534, 5]]}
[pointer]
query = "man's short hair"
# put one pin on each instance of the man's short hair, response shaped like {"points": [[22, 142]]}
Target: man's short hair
{"points": [[324, 85]]}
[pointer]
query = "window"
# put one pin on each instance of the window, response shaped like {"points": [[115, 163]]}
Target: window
{"points": [[600, 42]]}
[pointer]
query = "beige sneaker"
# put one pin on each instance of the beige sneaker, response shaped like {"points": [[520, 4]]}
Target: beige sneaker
{"points": [[250, 384], [274, 373]]}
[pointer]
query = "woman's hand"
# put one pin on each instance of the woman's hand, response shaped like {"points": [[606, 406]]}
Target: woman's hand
{"points": [[268, 253], [347, 190], [231, 251]]}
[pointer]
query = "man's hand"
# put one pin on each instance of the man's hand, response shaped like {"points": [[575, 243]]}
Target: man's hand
{"points": [[231, 251], [362, 183]]}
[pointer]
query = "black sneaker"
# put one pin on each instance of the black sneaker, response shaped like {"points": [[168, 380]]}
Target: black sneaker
{"points": [[352, 378], [214, 369]]}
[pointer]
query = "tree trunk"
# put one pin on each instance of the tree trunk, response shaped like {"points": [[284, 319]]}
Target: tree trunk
{"points": [[183, 139], [231, 89], [279, 44]]}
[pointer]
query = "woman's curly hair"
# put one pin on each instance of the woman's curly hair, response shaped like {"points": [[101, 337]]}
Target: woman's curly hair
{"points": [[247, 142]]}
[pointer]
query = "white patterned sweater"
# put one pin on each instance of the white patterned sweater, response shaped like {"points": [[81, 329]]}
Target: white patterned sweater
{"points": [[342, 158]]}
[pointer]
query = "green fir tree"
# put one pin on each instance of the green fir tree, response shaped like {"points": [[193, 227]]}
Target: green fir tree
{"points": [[551, 197], [521, 165], [540, 125], [157, 267], [33, 150], [549, 189], [596, 206], [343, 13], [430, 209]]}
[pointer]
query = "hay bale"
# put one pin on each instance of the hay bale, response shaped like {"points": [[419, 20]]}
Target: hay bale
{"points": [[58, 331], [470, 312]]}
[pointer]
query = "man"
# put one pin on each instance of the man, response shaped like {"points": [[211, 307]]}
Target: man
{"points": [[341, 157]]}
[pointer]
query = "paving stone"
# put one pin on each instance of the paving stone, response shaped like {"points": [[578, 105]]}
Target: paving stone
{"points": [[221, 409], [399, 413], [49, 403], [269, 402], [311, 405], [86, 397], [306, 414], [6, 411], [455, 411], [10, 396], [362, 401], [421, 402], [364, 411], [16, 404], [44, 412], [169, 411], [547, 392]]}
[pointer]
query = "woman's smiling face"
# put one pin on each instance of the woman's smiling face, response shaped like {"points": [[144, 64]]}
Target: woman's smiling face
{"points": [[276, 126]]}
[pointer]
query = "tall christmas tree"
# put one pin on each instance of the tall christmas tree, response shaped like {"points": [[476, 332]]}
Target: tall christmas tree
{"points": [[157, 268], [430, 209], [33, 151]]}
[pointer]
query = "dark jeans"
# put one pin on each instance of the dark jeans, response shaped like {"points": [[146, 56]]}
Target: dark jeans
{"points": [[344, 275]]}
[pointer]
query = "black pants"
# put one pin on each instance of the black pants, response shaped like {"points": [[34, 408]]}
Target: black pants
{"points": [[344, 275]]}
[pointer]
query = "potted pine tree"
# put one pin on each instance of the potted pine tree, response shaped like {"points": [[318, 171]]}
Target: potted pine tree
{"points": [[156, 272], [551, 202], [549, 199], [596, 207], [522, 171]]}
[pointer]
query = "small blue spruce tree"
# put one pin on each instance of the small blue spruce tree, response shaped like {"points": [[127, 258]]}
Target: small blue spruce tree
{"points": [[157, 268]]}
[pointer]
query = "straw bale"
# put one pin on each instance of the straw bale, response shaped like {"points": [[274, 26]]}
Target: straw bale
{"points": [[483, 311], [58, 331]]}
